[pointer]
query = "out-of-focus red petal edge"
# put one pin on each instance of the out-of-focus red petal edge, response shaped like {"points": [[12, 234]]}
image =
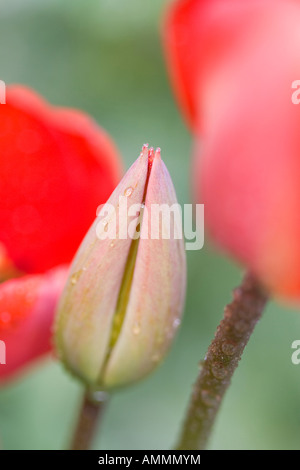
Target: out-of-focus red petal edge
{"points": [[197, 36], [27, 309], [76, 136], [71, 121], [173, 15]]}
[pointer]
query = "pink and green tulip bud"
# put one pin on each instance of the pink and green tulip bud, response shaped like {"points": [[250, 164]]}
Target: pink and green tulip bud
{"points": [[124, 297]]}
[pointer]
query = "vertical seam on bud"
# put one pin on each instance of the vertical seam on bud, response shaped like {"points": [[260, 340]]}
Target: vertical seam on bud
{"points": [[124, 294]]}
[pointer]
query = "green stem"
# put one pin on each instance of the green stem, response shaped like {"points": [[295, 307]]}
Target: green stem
{"points": [[91, 413], [221, 360]]}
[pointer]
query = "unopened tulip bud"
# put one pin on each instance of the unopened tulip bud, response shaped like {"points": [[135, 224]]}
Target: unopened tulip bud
{"points": [[124, 297]]}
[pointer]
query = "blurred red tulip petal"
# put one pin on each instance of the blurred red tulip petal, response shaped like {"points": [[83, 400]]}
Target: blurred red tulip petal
{"points": [[27, 307], [202, 35], [236, 66], [56, 167]]}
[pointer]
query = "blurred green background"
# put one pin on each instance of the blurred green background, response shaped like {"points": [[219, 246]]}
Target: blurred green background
{"points": [[105, 57]]}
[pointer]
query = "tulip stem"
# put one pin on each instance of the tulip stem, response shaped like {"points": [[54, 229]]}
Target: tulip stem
{"points": [[221, 360], [91, 412]]}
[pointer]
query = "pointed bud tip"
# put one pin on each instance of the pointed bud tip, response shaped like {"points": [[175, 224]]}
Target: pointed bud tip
{"points": [[157, 152], [152, 155]]}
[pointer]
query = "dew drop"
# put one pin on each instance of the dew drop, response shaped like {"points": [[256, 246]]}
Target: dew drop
{"points": [[218, 371], [75, 277], [128, 191], [228, 349], [112, 244], [176, 323], [136, 329]]}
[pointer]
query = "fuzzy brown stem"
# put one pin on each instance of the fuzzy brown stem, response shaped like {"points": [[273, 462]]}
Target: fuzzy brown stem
{"points": [[91, 412], [221, 360]]}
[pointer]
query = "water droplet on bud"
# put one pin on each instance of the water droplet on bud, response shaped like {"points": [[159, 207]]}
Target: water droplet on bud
{"points": [[136, 329], [128, 191], [75, 277]]}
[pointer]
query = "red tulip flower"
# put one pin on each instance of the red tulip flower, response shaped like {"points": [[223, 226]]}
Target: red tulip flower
{"points": [[232, 64], [56, 167]]}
